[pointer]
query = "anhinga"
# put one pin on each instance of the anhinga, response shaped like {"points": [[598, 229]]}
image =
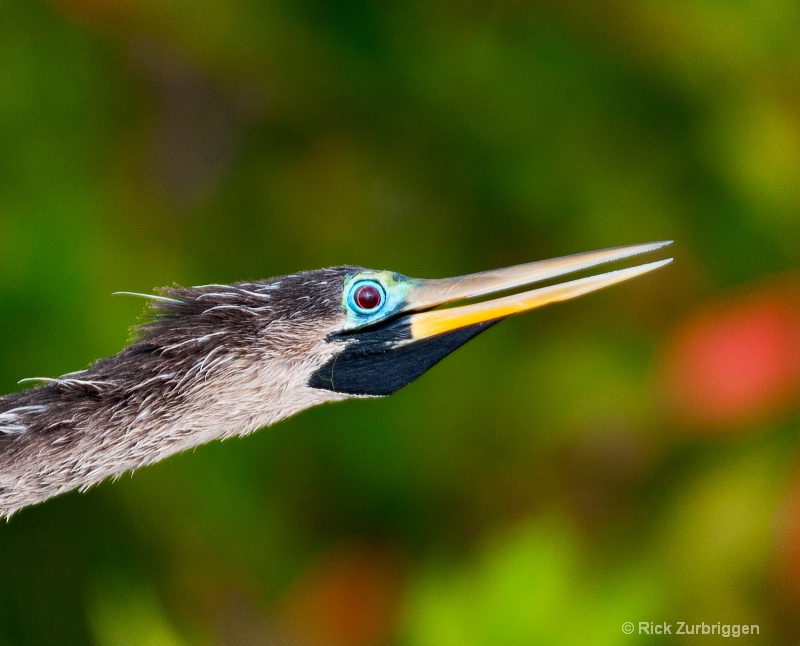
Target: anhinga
{"points": [[222, 360]]}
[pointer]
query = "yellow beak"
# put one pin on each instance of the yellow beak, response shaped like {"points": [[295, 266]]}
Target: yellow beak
{"points": [[431, 293]]}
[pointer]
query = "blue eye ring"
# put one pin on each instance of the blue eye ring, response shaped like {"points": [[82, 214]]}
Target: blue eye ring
{"points": [[366, 297]]}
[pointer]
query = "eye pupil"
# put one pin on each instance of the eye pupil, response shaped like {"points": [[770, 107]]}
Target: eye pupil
{"points": [[368, 297]]}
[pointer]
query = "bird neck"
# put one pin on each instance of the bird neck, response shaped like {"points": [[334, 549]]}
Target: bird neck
{"points": [[128, 411]]}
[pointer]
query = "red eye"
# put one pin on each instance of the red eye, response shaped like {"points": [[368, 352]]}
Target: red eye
{"points": [[368, 297]]}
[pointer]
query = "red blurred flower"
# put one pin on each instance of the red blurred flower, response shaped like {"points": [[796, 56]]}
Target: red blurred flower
{"points": [[736, 361]]}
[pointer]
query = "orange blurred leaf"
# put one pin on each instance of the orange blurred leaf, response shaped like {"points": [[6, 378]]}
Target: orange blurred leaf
{"points": [[350, 597]]}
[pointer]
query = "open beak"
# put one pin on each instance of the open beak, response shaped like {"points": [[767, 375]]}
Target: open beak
{"points": [[428, 294]]}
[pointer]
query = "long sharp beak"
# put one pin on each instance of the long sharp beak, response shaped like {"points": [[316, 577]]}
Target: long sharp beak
{"points": [[431, 293]]}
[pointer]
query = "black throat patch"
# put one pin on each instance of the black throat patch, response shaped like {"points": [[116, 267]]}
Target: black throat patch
{"points": [[383, 360]]}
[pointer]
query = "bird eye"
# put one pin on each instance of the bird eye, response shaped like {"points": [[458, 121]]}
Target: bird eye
{"points": [[366, 296]]}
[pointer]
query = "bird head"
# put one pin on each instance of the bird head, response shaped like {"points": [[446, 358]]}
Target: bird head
{"points": [[392, 328], [350, 331]]}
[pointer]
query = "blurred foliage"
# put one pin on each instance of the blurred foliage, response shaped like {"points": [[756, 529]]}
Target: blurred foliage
{"points": [[631, 456]]}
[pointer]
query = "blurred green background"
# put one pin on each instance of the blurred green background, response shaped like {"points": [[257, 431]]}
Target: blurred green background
{"points": [[630, 456]]}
